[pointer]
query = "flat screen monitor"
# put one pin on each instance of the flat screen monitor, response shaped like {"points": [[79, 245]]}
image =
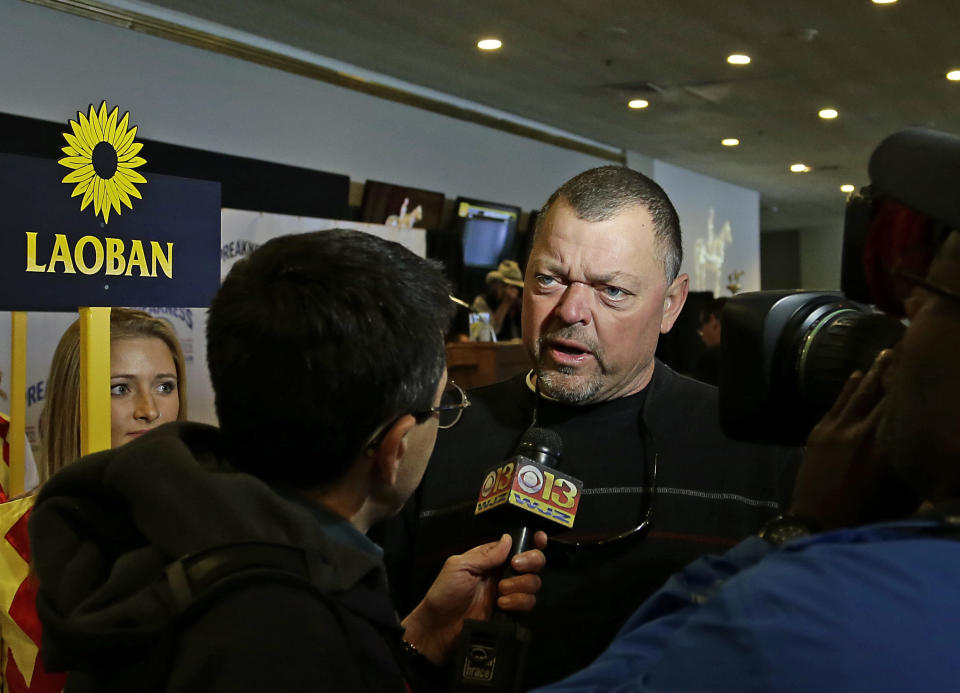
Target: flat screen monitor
{"points": [[489, 232]]}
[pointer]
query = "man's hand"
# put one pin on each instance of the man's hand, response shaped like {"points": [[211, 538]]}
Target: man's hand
{"points": [[469, 586], [844, 480]]}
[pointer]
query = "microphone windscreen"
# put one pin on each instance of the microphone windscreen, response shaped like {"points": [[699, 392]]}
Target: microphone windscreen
{"points": [[542, 439], [530, 481]]}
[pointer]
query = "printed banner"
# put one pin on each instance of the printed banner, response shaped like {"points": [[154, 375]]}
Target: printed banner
{"points": [[55, 256]]}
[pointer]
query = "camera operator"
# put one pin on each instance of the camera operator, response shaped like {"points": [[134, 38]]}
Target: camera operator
{"points": [[856, 588]]}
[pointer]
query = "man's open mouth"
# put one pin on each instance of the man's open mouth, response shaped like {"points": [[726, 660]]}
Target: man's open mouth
{"points": [[568, 350]]}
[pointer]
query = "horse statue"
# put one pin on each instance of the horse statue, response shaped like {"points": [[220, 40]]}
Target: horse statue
{"points": [[405, 220], [708, 255]]}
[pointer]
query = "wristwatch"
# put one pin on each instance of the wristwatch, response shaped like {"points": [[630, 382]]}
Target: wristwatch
{"points": [[786, 527]]}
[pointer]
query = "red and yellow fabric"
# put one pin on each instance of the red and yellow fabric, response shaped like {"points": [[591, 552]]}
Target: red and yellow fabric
{"points": [[5, 451], [22, 670], [30, 468]]}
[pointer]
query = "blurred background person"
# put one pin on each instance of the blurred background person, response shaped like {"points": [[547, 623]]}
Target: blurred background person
{"points": [[502, 300], [707, 369], [147, 389]]}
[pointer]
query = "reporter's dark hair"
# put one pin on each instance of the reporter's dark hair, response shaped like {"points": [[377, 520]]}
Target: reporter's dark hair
{"points": [[314, 341]]}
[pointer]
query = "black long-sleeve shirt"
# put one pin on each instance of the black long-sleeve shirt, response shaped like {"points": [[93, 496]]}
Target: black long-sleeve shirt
{"points": [[708, 493]]}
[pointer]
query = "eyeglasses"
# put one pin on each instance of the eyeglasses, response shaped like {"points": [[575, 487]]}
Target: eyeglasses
{"points": [[452, 403], [638, 530], [908, 280]]}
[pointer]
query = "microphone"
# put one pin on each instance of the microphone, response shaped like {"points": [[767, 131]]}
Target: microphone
{"points": [[491, 653], [530, 481]]}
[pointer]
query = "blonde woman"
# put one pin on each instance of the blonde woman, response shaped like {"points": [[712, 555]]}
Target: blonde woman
{"points": [[147, 389]]}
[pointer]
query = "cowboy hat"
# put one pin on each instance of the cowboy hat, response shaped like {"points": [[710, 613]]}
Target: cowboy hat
{"points": [[507, 272]]}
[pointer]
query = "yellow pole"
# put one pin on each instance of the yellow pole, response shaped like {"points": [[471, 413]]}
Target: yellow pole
{"points": [[94, 380], [18, 402]]}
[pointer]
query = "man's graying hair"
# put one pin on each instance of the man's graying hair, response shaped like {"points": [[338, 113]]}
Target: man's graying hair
{"points": [[601, 193]]}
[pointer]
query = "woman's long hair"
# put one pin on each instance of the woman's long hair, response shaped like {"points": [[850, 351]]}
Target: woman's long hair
{"points": [[60, 420]]}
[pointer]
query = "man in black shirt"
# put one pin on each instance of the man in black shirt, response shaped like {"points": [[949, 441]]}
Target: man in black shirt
{"points": [[662, 484]]}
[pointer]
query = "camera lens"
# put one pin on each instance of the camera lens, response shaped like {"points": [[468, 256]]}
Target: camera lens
{"points": [[845, 341], [785, 357]]}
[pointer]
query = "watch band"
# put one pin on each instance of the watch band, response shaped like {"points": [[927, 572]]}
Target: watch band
{"points": [[786, 527]]}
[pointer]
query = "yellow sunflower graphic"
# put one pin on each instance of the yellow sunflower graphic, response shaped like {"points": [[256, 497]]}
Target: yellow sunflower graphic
{"points": [[103, 156]]}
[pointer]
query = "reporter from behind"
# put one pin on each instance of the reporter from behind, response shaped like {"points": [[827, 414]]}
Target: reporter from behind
{"points": [[855, 589], [297, 338]]}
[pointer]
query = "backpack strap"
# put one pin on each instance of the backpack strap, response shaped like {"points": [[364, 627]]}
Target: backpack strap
{"points": [[199, 579], [196, 579]]}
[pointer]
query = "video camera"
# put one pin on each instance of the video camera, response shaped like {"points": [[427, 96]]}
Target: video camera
{"points": [[785, 355]]}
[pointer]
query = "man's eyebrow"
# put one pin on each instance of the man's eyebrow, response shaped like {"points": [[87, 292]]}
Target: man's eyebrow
{"points": [[617, 277], [614, 277]]}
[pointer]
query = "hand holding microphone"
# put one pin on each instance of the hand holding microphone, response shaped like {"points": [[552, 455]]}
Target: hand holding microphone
{"points": [[531, 489], [468, 587], [530, 492]]}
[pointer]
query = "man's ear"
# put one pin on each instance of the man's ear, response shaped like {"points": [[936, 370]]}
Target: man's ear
{"points": [[389, 454], [673, 301]]}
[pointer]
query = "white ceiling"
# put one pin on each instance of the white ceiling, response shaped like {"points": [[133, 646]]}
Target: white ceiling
{"points": [[573, 64]]}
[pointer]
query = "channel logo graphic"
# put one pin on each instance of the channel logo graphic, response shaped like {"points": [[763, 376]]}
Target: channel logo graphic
{"points": [[532, 487]]}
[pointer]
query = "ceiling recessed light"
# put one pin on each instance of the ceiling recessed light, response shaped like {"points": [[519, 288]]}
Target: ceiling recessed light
{"points": [[738, 59], [730, 142], [954, 75], [883, 2], [638, 103], [847, 188], [799, 168], [828, 113], [489, 44]]}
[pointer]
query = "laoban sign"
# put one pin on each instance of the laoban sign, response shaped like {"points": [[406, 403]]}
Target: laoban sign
{"points": [[88, 228]]}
